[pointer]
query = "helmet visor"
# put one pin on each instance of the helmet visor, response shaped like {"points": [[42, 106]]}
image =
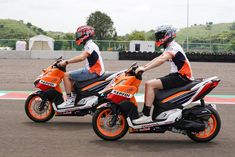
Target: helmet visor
{"points": [[78, 35], [160, 35]]}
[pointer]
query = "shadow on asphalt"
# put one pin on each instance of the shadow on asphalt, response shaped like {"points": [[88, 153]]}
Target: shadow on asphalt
{"points": [[60, 125], [152, 145]]}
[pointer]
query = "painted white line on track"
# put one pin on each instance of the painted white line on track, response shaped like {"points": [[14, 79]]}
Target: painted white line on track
{"points": [[1, 94]]}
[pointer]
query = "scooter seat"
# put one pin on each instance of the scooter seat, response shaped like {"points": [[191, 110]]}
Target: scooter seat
{"points": [[162, 94], [82, 84]]}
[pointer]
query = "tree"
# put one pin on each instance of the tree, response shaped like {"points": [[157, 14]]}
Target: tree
{"points": [[209, 25], [103, 25], [29, 24], [150, 35], [233, 26], [232, 46], [40, 30], [137, 35], [69, 36]]}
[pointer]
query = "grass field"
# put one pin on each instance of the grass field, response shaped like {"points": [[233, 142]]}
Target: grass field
{"points": [[201, 31]]}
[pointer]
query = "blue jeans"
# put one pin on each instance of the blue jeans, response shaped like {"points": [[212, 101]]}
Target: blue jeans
{"points": [[82, 74]]}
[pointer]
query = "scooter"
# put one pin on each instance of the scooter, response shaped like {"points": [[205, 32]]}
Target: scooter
{"points": [[171, 112], [41, 105]]}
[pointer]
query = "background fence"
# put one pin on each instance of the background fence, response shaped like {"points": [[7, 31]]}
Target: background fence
{"points": [[108, 45], [199, 57]]}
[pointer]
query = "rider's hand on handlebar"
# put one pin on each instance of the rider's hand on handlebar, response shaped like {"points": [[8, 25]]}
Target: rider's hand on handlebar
{"points": [[140, 69], [62, 63]]}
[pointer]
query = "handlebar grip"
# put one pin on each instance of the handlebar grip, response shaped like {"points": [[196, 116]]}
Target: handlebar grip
{"points": [[140, 72]]}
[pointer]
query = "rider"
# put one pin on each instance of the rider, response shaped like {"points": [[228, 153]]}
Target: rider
{"points": [[180, 74], [94, 64]]}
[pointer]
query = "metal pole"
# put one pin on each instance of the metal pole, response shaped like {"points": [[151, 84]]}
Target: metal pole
{"points": [[109, 45], [72, 44], [187, 23]]}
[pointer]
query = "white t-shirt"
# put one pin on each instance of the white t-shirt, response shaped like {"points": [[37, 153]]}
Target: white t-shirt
{"points": [[94, 62], [179, 62]]}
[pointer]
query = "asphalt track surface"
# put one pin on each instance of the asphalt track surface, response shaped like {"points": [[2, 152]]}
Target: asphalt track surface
{"points": [[73, 136]]}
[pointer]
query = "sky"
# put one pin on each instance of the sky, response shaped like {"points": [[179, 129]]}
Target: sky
{"points": [[127, 15]]}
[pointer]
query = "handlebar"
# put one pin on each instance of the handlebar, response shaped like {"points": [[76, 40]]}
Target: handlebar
{"points": [[132, 69], [58, 60]]}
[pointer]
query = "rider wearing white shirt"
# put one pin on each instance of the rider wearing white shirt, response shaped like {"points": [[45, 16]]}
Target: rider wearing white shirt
{"points": [[180, 73]]}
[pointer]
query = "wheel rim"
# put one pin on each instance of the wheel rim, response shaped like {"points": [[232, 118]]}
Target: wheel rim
{"points": [[103, 124], [34, 111], [210, 129]]}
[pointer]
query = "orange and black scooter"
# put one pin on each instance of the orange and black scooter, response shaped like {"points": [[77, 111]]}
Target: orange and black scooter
{"points": [[41, 105], [200, 122]]}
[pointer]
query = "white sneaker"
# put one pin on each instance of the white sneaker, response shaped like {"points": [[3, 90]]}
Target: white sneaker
{"points": [[142, 119], [67, 104]]}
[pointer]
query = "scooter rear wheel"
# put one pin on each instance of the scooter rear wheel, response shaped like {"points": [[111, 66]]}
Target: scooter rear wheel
{"points": [[211, 131], [103, 128], [34, 113]]}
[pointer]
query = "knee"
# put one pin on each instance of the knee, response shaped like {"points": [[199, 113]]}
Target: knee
{"points": [[66, 75], [148, 84]]}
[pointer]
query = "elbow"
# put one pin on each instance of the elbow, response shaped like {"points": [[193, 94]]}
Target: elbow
{"points": [[161, 61], [83, 58]]}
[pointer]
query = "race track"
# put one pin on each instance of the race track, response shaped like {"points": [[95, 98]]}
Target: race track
{"points": [[73, 136]]}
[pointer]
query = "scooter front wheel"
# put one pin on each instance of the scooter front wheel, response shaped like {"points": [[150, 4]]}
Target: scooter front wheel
{"points": [[103, 125], [34, 112]]}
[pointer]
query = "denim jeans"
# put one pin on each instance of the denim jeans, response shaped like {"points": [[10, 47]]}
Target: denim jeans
{"points": [[82, 74]]}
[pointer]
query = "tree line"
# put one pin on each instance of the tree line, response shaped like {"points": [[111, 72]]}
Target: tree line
{"points": [[105, 30]]}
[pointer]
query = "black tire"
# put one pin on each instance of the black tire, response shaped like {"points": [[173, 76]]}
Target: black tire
{"points": [[101, 134], [33, 117], [214, 133]]}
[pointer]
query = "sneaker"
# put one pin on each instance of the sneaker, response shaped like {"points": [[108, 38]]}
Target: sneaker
{"points": [[67, 104], [142, 119]]}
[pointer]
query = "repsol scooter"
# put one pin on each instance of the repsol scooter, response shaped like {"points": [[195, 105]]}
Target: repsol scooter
{"points": [[201, 122], [41, 105]]}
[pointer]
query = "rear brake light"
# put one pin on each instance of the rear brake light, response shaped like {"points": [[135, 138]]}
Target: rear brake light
{"points": [[214, 84]]}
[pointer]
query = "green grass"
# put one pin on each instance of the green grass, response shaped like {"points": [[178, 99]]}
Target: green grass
{"points": [[201, 31], [12, 29]]}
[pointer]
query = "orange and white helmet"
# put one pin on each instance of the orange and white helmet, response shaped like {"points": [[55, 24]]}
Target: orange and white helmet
{"points": [[83, 33]]}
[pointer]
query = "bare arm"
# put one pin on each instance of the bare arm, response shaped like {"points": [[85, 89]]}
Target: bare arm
{"points": [[151, 61], [79, 58], [76, 59], [158, 61]]}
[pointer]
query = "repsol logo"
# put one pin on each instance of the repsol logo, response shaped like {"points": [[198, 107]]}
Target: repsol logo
{"points": [[47, 83], [126, 95]]}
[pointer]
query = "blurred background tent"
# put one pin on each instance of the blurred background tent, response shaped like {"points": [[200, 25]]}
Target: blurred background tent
{"points": [[21, 45], [41, 42]]}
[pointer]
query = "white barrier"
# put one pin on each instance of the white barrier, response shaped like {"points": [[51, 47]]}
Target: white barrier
{"points": [[107, 55]]}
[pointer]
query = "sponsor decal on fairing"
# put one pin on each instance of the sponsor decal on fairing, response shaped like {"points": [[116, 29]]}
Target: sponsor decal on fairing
{"points": [[123, 94]]}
